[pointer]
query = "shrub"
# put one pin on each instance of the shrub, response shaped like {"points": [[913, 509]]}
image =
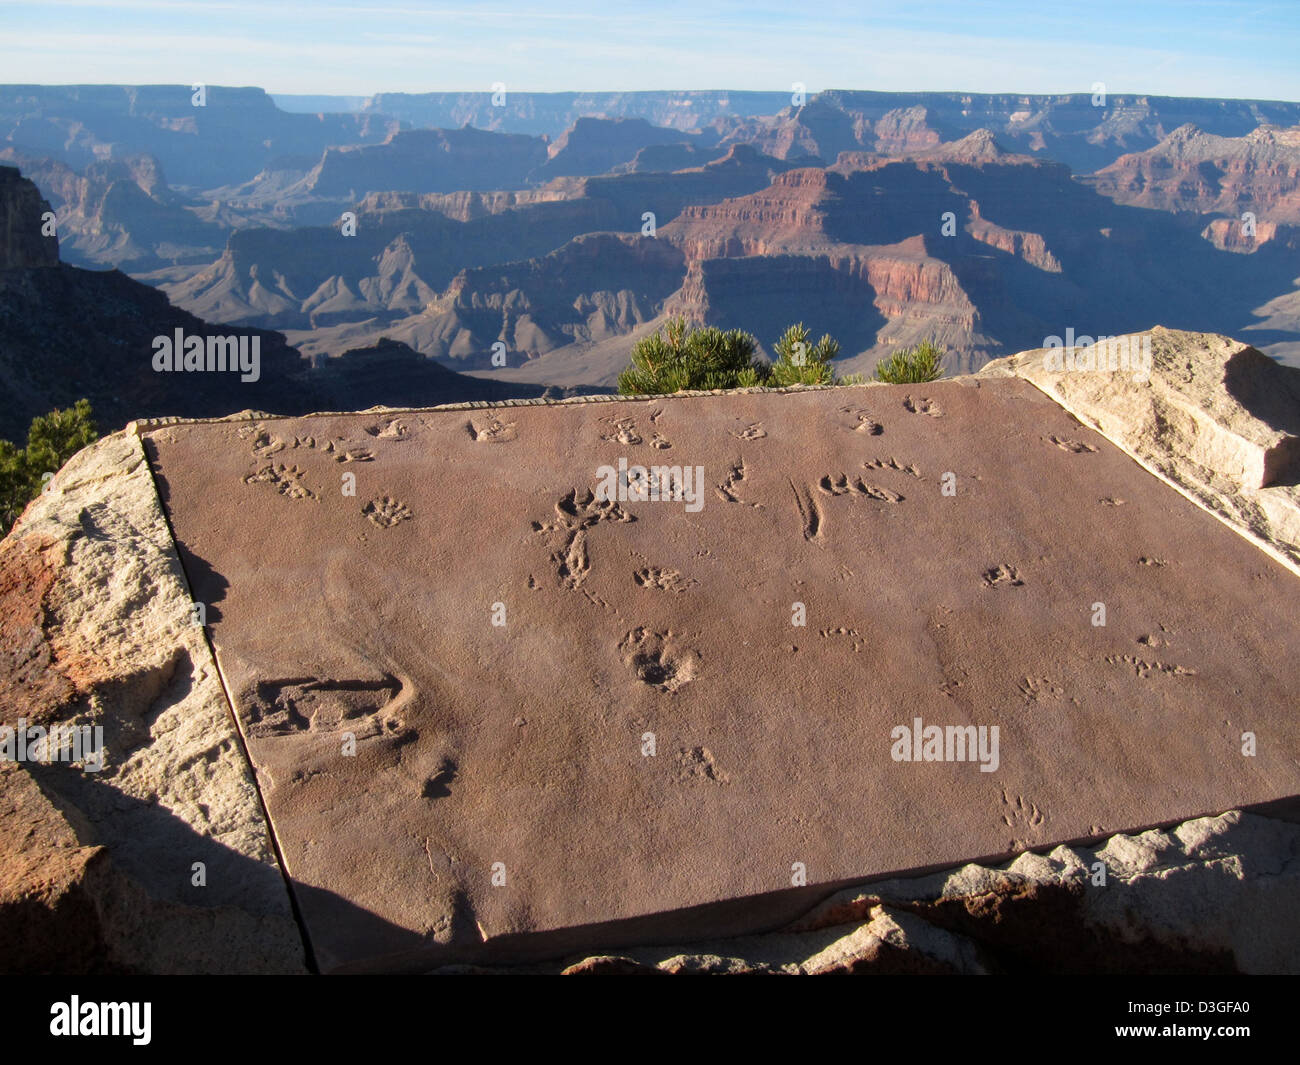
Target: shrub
{"points": [[799, 363], [52, 439], [677, 358], [912, 365]]}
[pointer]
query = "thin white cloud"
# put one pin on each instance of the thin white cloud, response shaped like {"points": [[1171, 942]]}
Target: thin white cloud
{"points": [[359, 49]]}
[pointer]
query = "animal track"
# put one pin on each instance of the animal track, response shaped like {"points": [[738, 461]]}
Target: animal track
{"points": [[1003, 574], [576, 514], [734, 476], [656, 661], [809, 513], [841, 485], [858, 641], [393, 429], [342, 454], [302, 705], [1147, 560], [753, 431], [1018, 814], [623, 431], [1035, 688], [1143, 668], [865, 424], [571, 561], [265, 445], [923, 406], [668, 580], [892, 464], [386, 512], [287, 480], [698, 764], [438, 786], [583, 512], [491, 432], [1075, 447], [1112, 501]]}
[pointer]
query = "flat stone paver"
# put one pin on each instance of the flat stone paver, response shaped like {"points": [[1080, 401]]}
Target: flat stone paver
{"points": [[503, 799]]}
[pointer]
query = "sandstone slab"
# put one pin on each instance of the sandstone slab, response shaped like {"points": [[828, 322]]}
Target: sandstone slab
{"points": [[646, 746]]}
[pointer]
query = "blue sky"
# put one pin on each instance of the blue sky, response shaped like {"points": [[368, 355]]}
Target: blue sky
{"points": [[1220, 48]]}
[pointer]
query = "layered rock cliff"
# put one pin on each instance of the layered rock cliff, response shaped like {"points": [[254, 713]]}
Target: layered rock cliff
{"points": [[27, 242], [68, 334], [1195, 171], [122, 213], [429, 160]]}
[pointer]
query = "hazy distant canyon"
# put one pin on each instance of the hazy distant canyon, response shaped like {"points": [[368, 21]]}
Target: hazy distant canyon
{"points": [[553, 230]]}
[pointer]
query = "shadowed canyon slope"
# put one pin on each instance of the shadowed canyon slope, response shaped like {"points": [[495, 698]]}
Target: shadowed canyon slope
{"points": [[68, 333]]}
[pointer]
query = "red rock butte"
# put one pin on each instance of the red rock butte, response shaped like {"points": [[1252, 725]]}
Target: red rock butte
{"points": [[496, 717]]}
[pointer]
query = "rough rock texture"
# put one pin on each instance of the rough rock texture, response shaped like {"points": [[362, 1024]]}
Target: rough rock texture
{"points": [[886, 941], [98, 866], [1148, 907], [367, 618], [1217, 418]]}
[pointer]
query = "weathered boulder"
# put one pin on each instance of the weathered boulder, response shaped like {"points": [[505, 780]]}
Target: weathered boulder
{"points": [[101, 868]]}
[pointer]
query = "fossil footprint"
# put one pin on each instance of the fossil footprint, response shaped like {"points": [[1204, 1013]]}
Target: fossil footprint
{"points": [[657, 661], [386, 512]]}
